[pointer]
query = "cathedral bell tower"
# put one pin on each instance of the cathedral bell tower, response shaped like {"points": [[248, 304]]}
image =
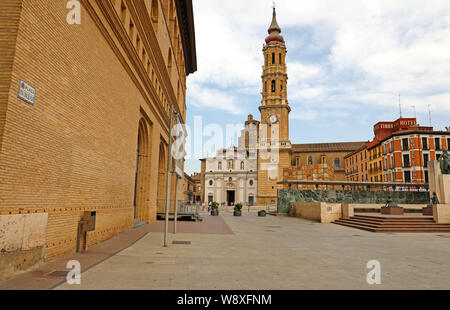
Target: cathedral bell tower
{"points": [[274, 145]]}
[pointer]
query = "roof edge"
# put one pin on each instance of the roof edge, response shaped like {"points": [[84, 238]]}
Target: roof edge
{"points": [[185, 13]]}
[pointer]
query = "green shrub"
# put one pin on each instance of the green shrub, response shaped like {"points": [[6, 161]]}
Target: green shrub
{"points": [[238, 207], [215, 206]]}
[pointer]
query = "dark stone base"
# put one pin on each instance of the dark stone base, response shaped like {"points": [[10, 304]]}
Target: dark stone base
{"points": [[261, 213], [392, 210], [237, 213], [427, 211], [214, 213]]}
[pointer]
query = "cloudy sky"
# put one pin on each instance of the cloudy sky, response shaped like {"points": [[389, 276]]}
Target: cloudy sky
{"points": [[347, 60]]}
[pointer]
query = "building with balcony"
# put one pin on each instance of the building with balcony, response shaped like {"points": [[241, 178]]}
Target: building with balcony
{"points": [[357, 165], [400, 152]]}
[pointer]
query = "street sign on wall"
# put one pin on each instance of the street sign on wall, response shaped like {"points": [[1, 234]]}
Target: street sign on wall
{"points": [[27, 92]]}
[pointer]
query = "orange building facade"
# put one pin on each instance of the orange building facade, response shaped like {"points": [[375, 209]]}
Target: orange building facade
{"points": [[400, 153], [356, 165]]}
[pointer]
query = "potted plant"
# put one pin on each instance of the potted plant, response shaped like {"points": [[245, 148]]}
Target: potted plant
{"points": [[262, 213], [237, 209], [215, 209]]}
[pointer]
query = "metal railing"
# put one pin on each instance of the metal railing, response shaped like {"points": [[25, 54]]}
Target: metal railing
{"points": [[182, 208]]}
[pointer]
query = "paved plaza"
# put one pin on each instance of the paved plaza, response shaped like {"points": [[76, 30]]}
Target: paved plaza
{"points": [[273, 253]]}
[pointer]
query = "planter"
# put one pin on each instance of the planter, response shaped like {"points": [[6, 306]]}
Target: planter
{"points": [[428, 211], [237, 213], [392, 210], [262, 213], [215, 213]]}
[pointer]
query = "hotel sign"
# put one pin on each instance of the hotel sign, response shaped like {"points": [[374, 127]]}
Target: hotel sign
{"points": [[27, 92]]}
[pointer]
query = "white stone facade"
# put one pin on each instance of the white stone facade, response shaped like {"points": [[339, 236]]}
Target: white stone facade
{"points": [[231, 177]]}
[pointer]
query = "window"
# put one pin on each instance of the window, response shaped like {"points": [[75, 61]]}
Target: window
{"points": [[251, 182], [337, 163], [169, 62], [310, 160], [281, 62], [406, 163], [251, 200], [425, 143], [242, 165], [407, 176], [123, 12], [426, 159], [297, 161], [273, 86], [273, 58], [211, 182], [437, 143], [155, 14], [427, 178], [448, 143], [405, 144], [220, 166], [230, 164]]}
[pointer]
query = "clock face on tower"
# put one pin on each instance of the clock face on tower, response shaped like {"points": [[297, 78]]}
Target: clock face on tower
{"points": [[272, 119]]}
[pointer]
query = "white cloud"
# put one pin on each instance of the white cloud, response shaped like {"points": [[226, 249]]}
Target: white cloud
{"points": [[214, 99], [376, 50]]}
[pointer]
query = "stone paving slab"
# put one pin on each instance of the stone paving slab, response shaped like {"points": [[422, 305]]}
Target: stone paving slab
{"points": [[39, 278], [210, 225], [276, 253]]}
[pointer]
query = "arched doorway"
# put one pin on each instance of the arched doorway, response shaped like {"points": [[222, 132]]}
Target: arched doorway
{"points": [[162, 170], [142, 180]]}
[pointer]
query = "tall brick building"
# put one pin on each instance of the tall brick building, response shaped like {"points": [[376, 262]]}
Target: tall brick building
{"points": [[399, 152], [84, 118]]}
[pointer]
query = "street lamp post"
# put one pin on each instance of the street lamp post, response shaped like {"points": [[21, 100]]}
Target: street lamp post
{"points": [[169, 175]]}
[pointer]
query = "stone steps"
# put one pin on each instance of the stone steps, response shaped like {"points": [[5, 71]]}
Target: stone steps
{"points": [[405, 224]]}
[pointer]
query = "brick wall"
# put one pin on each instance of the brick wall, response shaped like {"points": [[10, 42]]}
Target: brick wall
{"points": [[9, 24], [74, 150]]}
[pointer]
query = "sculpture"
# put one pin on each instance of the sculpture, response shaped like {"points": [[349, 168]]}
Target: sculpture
{"points": [[390, 203], [435, 199], [445, 163]]}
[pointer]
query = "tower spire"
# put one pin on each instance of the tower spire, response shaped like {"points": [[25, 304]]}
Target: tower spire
{"points": [[274, 25], [274, 29]]}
